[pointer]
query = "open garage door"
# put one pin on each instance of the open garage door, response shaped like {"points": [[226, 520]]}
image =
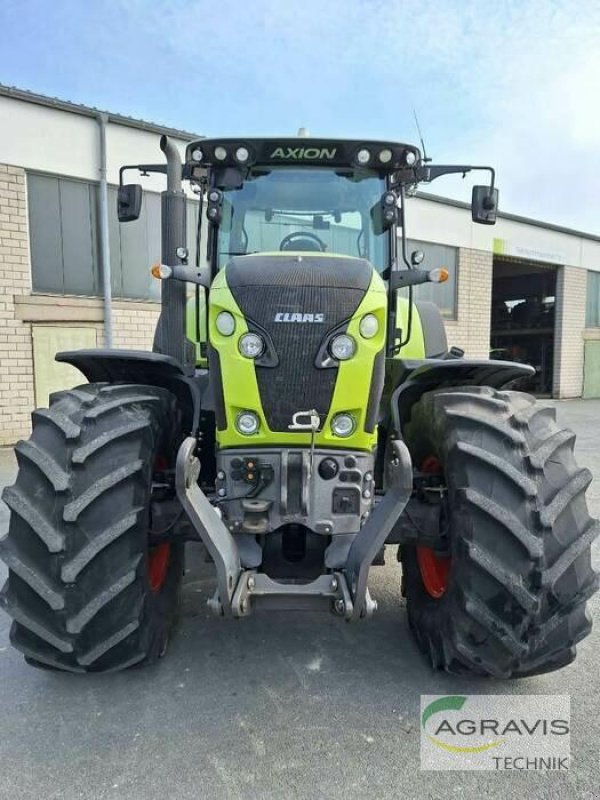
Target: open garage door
{"points": [[523, 318]]}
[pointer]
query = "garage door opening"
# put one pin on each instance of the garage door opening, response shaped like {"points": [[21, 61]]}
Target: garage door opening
{"points": [[523, 319]]}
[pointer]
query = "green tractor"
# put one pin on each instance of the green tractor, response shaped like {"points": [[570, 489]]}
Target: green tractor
{"points": [[298, 413]]}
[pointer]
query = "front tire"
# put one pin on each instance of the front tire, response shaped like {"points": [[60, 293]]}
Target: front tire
{"points": [[86, 591], [508, 599]]}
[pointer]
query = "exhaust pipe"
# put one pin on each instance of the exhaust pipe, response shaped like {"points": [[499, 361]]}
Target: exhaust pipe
{"points": [[173, 164], [170, 338]]}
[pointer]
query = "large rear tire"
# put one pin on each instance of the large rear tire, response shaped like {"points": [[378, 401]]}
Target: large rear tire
{"points": [[508, 599], [86, 590]]}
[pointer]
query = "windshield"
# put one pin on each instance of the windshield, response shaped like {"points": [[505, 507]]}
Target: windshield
{"points": [[312, 210]]}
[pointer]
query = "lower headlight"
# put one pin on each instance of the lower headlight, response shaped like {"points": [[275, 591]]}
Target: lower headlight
{"points": [[251, 345], [247, 423], [343, 425], [342, 347]]}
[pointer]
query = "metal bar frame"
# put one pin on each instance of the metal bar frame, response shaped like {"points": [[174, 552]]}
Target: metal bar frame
{"points": [[344, 591]]}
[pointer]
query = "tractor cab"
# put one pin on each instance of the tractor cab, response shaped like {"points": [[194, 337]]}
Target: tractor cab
{"points": [[316, 198]]}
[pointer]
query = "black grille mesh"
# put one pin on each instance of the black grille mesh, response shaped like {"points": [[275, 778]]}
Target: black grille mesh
{"points": [[334, 272], [296, 384]]}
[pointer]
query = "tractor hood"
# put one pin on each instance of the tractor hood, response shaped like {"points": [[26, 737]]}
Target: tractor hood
{"points": [[299, 269], [297, 303]]}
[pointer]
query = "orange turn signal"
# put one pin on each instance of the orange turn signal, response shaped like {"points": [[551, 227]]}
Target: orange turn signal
{"points": [[439, 275], [161, 271]]}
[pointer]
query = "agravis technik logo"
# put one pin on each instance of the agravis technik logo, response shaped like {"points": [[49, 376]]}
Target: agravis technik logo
{"points": [[495, 732]]}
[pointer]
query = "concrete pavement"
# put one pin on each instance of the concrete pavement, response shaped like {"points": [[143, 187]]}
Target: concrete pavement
{"points": [[274, 707]]}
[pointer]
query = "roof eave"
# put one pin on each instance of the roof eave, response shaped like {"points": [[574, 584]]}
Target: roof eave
{"points": [[88, 111]]}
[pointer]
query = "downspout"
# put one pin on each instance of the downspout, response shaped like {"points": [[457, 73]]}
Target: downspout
{"points": [[104, 238]]}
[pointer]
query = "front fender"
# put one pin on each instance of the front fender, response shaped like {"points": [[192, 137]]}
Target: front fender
{"points": [[149, 369], [415, 377]]}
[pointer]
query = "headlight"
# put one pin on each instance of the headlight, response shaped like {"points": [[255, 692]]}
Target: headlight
{"points": [[220, 153], [242, 155], [410, 157], [363, 156], [197, 154], [215, 196], [251, 345], [225, 323], [247, 423], [385, 156], [342, 347], [369, 326], [343, 425]]}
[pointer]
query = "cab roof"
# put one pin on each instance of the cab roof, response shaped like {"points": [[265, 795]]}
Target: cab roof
{"points": [[383, 156]]}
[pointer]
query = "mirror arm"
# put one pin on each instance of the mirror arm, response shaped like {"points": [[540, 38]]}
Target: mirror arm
{"points": [[393, 348], [144, 169], [402, 222], [427, 174]]}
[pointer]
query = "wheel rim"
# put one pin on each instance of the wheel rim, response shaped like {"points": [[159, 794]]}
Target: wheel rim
{"points": [[434, 569], [158, 565]]}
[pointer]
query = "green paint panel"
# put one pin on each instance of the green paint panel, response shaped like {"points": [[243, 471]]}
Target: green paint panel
{"points": [[591, 369], [240, 387], [190, 326], [415, 347], [353, 382]]}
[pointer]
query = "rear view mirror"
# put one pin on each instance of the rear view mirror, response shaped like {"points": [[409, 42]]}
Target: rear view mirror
{"points": [[484, 205], [129, 202]]}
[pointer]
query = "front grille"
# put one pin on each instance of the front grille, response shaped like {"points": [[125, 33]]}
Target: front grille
{"points": [[296, 384], [268, 285]]}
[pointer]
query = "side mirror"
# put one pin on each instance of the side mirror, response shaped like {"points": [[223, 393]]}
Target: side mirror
{"points": [[129, 202], [484, 205]]}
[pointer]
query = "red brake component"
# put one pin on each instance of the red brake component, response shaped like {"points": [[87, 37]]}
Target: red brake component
{"points": [[434, 569], [158, 565]]}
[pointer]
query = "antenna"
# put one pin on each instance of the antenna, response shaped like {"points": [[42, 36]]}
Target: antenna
{"points": [[425, 159]]}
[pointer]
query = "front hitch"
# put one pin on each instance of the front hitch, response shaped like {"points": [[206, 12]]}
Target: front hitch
{"points": [[378, 527], [344, 591], [206, 522]]}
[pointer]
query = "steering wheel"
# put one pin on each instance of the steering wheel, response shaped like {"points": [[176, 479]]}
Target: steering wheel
{"points": [[293, 241]]}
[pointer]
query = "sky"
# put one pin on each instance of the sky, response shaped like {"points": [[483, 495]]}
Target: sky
{"points": [[514, 84]]}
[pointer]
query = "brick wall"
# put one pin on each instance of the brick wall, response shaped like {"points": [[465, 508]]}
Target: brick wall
{"points": [[133, 322], [471, 329], [16, 357], [571, 291]]}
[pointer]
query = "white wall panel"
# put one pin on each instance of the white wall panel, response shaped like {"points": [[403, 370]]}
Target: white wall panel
{"points": [[46, 139]]}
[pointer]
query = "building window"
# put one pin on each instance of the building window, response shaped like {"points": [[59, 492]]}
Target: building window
{"points": [[65, 252], [63, 234], [592, 313], [442, 294]]}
